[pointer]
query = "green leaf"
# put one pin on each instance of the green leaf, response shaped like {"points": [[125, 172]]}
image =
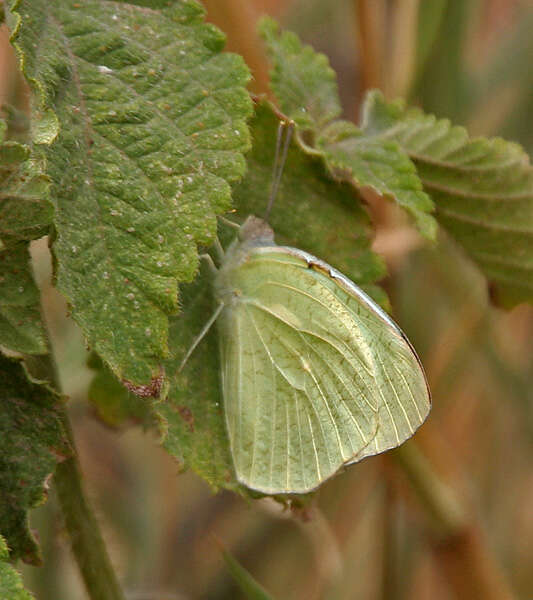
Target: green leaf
{"points": [[21, 327], [305, 86], [153, 129], [367, 158], [32, 442], [482, 188], [25, 214], [25, 210], [307, 200], [11, 586], [303, 81], [193, 411], [247, 584]]}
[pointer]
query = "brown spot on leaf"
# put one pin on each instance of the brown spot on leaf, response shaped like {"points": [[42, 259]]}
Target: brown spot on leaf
{"points": [[186, 414], [149, 390]]}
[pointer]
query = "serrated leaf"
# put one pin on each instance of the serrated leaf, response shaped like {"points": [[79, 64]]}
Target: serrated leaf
{"points": [[366, 158], [21, 327], [25, 214], [32, 441], [303, 81], [312, 212], [482, 188], [11, 586], [25, 210], [153, 128], [305, 86]]}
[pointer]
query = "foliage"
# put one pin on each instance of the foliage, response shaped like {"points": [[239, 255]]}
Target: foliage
{"points": [[152, 130], [33, 441], [136, 143], [482, 188], [25, 214], [11, 587], [360, 156], [251, 589]]}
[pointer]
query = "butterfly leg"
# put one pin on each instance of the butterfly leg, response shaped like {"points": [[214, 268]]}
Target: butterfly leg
{"points": [[218, 249], [201, 335], [210, 263], [229, 223]]}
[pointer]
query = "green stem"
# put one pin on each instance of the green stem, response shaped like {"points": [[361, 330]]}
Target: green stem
{"points": [[87, 543], [448, 515], [370, 27], [403, 48], [460, 548]]}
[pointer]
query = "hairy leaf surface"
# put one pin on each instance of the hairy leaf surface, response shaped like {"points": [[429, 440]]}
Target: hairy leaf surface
{"points": [[21, 327], [482, 188], [306, 89], [152, 130], [25, 210], [25, 214], [32, 442], [11, 586]]}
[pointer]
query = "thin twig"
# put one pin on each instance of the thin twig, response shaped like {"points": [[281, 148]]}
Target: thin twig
{"points": [[401, 63], [370, 28], [86, 540], [459, 544], [238, 20], [87, 544]]}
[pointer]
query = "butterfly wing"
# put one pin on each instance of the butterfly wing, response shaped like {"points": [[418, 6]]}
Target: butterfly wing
{"points": [[314, 375], [404, 397]]}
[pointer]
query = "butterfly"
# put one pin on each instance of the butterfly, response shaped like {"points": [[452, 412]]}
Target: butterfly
{"points": [[315, 375]]}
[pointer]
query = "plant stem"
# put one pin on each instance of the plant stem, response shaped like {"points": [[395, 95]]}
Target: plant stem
{"points": [[370, 26], [87, 543], [459, 545], [238, 20], [447, 514], [403, 48]]}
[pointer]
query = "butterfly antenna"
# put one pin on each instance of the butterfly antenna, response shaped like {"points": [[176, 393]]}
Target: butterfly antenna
{"points": [[280, 157]]}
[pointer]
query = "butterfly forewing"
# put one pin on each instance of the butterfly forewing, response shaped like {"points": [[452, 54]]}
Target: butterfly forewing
{"points": [[314, 375]]}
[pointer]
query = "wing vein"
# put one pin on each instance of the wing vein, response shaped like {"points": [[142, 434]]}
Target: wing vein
{"points": [[256, 419], [410, 393], [400, 403], [336, 375], [387, 405], [310, 402], [314, 445], [300, 437], [287, 419]]}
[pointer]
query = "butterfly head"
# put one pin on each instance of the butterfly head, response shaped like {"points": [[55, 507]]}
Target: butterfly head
{"points": [[256, 231]]}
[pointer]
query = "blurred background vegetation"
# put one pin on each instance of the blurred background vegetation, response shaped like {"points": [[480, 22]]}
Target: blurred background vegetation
{"points": [[376, 531]]}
